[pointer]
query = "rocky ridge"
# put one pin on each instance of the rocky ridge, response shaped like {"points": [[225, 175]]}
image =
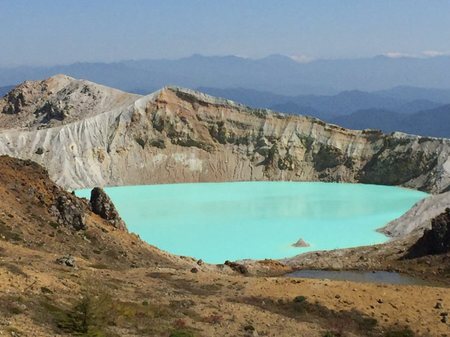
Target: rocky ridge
{"points": [[179, 135], [57, 101]]}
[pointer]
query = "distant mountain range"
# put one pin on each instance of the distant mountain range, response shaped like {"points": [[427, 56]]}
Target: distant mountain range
{"points": [[344, 103], [5, 90], [276, 73], [323, 88], [405, 109], [434, 122]]}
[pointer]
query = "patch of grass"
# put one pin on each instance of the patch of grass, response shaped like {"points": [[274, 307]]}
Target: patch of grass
{"points": [[99, 314], [191, 287], [13, 236], [16, 237], [160, 275], [99, 266], [14, 308], [86, 318], [187, 286], [402, 332], [54, 224], [11, 305], [9, 233], [46, 290], [13, 331], [213, 319], [300, 299], [331, 334], [181, 333], [13, 268], [336, 323]]}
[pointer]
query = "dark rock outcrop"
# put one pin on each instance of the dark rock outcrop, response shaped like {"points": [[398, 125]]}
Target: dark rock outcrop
{"points": [[52, 110], [66, 260], [15, 102], [435, 240], [70, 212], [102, 205], [237, 267]]}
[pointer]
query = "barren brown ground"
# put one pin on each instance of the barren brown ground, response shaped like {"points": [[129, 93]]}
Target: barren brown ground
{"points": [[209, 302]]}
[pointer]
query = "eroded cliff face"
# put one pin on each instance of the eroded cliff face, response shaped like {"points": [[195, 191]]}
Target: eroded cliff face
{"points": [[178, 135]]}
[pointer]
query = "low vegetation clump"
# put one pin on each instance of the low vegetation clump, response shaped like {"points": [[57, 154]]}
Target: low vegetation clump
{"points": [[181, 333], [300, 299], [331, 334], [98, 314], [11, 305], [336, 323], [403, 332]]}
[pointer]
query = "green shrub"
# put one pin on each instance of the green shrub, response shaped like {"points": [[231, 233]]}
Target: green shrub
{"points": [[87, 318], [406, 332], [181, 333], [300, 299], [330, 334], [54, 224]]}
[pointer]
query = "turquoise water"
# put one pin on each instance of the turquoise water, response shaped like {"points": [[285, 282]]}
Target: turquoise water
{"points": [[231, 221]]}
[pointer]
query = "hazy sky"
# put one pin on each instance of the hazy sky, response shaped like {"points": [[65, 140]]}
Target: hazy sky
{"points": [[63, 31]]}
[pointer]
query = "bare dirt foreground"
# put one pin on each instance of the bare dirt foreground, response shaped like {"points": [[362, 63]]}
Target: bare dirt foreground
{"points": [[65, 271], [40, 298]]}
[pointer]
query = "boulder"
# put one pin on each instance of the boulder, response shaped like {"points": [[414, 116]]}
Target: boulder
{"points": [[102, 205], [435, 240], [66, 260], [240, 268], [70, 212], [301, 243]]}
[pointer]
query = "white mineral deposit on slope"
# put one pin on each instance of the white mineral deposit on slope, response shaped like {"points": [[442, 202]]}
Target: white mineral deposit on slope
{"points": [[418, 217]]}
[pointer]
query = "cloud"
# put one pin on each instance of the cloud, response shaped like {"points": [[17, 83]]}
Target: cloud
{"points": [[434, 53], [397, 54], [302, 58], [423, 54]]}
